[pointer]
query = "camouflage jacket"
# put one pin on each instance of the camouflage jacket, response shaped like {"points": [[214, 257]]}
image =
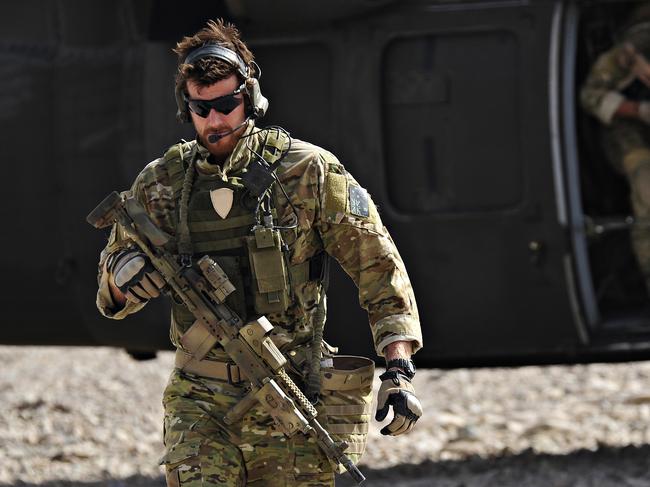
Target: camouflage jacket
{"points": [[611, 79], [320, 189]]}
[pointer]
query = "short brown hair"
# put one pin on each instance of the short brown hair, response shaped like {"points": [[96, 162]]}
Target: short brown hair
{"points": [[208, 70]]}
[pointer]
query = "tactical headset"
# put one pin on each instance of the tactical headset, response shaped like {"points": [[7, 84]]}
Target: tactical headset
{"points": [[257, 104]]}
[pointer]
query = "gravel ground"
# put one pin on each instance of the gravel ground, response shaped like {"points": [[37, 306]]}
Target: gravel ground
{"points": [[90, 417]]}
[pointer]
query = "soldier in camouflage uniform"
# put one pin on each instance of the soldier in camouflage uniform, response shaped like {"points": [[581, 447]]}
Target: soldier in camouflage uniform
{"points": [[617, 92], [196, 193]]}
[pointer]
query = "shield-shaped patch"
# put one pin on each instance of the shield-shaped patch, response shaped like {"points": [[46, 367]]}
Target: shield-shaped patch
{"points": [[222, 201]]}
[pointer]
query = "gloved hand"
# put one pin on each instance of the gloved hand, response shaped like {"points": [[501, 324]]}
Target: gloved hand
{"points": [[644, 112], [396, 390], [133, 274]]}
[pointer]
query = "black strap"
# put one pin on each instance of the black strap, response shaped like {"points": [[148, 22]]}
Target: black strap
{"points": [[220, 52], [319, 269]]}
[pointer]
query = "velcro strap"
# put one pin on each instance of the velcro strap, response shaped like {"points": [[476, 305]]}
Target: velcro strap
{"points": [[227, 244], [198, 216], [347, 409], [209, 368], [273, 145], [357, 447], [198, 340], [227, 224], [349, 429], [337, 381]]}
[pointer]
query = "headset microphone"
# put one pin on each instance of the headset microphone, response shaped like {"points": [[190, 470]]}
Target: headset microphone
{"points": [[214, 138]]}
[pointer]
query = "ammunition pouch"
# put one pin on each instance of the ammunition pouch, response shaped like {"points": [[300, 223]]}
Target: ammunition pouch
{"points": [[270, 286], [345, 402]]}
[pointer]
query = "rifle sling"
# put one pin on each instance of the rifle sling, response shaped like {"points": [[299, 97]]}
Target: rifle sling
{"points": [[212, 369]]}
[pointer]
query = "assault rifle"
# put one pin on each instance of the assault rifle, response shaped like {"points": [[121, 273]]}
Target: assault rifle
{"points": [[248, 345]]}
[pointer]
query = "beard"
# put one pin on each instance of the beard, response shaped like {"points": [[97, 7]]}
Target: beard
{"points": [[223, 147]]}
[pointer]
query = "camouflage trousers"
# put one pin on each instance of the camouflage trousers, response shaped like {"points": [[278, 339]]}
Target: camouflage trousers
{"points": [[202, 451], [627, 144]]}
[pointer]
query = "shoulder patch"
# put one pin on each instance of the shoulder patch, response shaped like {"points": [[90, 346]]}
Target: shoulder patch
{"points": [[358, 201]]}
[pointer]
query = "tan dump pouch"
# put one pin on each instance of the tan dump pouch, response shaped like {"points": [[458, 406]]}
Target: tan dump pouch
{"points": [[270, 276], [346, 397]]}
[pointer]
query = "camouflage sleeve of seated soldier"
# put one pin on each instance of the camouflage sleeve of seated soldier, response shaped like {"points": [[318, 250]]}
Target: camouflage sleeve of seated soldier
{"points": [[352, 232], [610, 74]]}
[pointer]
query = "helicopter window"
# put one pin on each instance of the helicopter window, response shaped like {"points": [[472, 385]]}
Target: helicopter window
{"points": [[455, 152]]}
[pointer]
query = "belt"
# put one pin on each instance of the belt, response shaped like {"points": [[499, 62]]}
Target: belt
{"points": [[209, 368]]}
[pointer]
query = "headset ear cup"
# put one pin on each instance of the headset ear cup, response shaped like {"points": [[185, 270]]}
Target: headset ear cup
{"points": [[259, 104], [248, 105], [182, 114]]}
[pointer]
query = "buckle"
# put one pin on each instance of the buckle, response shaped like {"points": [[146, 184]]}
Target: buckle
{"points": [[229, 370], [186, 260]]}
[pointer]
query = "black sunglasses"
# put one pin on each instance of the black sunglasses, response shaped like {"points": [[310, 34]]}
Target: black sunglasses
{"points": [[222, 104]]}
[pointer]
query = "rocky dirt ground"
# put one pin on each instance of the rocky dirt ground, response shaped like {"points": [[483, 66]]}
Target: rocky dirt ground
{"points": [[90, 417]]}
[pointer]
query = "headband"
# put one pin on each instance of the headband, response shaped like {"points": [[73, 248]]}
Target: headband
{"points": [[220, 52]]}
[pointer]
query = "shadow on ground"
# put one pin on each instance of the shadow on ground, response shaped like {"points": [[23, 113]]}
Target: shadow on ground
{"points": [[606, 467]]}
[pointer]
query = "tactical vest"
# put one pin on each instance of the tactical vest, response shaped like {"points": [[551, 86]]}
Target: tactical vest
{"points": [[254, 262]]}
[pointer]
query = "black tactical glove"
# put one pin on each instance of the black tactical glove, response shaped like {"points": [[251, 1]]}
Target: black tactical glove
{"points": [[396, 390], [132, 273]]}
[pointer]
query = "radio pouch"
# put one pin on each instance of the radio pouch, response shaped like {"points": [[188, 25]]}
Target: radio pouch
{"points": [[270, 286]]}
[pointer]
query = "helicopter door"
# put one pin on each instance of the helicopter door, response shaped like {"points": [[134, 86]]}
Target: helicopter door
{"points": [[608, 280]]}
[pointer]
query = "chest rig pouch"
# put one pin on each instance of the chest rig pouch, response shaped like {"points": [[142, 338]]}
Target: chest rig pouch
{"points": [[270, 283]]}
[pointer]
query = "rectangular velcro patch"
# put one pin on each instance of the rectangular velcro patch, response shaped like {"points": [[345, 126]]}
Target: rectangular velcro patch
{"points": [[336, 194]]}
